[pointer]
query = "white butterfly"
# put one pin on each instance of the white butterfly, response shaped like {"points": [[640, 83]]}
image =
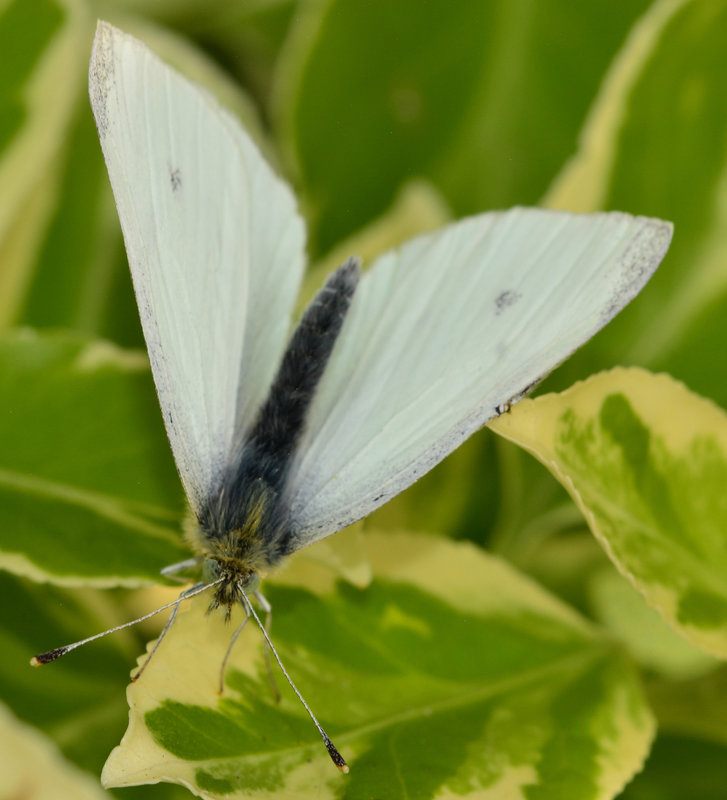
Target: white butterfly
{"points": [[385, 375]]}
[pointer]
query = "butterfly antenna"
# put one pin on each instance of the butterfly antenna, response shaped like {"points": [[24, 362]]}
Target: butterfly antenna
{"points": [[336, 757], [52, 655]]}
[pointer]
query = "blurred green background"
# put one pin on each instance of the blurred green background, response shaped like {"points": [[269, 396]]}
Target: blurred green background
{"points": [[388, 118]]}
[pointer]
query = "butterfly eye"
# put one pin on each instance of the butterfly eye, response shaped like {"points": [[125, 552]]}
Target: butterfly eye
{"points": [[210, 570]]}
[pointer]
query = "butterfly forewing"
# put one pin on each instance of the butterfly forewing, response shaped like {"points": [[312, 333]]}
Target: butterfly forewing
{"points": [[215, 246]]}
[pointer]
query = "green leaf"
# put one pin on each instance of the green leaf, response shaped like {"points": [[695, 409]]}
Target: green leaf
{"points": [[77, 701], [692, 708], [80, 278], [646, 461], [29, 762], [449, 675], [89, 494], [467, 94], [44, 46], [417, 209], [654, 143], [654, 644], [681, 767], [36, 42], [247, 37]]}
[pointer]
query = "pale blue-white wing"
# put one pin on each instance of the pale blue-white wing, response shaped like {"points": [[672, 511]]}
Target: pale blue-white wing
{"points": [[443, 334], [215, 245]]}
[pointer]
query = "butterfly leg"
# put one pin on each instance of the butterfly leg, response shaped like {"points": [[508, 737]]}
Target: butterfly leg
{"points": [[223, 666], [191, 590], [268, 609], [173, 569]]}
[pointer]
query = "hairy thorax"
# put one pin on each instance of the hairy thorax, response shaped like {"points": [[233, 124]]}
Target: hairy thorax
{"points": [[237, 556]]}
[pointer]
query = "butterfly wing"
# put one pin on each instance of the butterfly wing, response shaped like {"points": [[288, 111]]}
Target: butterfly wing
{"points": [[215, 246], [443, 334]]}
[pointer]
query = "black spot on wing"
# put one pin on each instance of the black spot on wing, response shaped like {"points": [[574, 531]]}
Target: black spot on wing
{"points": [[506, 299], [175, 178]]}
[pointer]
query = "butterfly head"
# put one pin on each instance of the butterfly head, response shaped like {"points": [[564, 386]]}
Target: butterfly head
{"points": [[237, 577], [233, 540]]}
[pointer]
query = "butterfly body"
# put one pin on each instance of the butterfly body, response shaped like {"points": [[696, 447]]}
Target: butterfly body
{"points": [[245, 527]]}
